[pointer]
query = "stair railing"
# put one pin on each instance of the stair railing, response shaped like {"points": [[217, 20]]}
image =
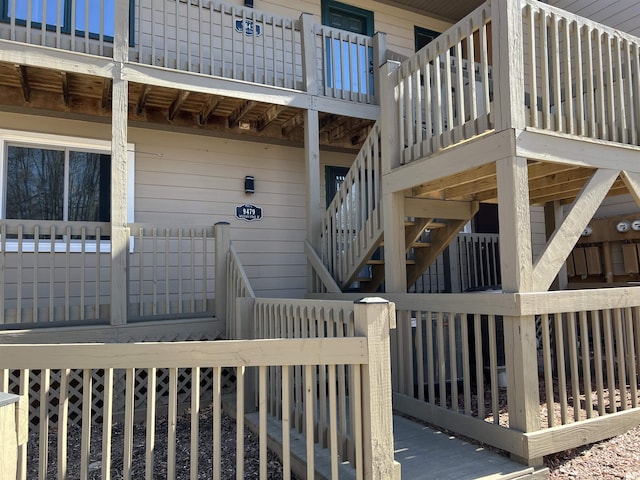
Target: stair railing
{"points": [[352, 227]]}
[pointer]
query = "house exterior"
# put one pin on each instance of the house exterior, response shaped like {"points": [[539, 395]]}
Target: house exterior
{"points": [[159, 160]]}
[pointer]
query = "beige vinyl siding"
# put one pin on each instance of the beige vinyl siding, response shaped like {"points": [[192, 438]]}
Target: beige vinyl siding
{"points": [[395, 22], [183, 179]]}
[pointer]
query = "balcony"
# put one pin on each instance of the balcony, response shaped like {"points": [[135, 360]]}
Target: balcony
{"points": [[196, 64]]}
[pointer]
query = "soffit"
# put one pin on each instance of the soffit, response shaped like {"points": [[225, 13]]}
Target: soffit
{"points": [[449, 10]]}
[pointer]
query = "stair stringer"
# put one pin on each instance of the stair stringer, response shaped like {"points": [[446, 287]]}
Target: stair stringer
{"points": [[440, 239]]}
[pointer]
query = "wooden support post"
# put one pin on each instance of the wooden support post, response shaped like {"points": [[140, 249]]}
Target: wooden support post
{"points": [[379, 59], [516, 267], [245, 330], [222, 233], [395, 262], [119, 170], [374, 317], [13, 426], [389, 121], [309, 54], [508, 54], [392, 204], [312, 184]]}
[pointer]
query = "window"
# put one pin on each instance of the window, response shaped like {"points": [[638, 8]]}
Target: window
{"points": [[56, 178], [423, 36], [348, 65], [98, 15], [57, 184]]}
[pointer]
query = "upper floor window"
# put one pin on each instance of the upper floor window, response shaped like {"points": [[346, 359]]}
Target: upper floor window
{"points": [[96, 15]]}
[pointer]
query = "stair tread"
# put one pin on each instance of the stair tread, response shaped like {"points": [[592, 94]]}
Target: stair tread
{"points": [[375, 262], [421, 244]]}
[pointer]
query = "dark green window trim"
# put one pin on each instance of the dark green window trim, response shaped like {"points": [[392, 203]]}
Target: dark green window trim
{"points": [[425, 32], [350, 10], [331, 180]]}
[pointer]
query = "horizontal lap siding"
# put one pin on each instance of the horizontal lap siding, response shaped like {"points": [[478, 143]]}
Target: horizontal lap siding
{"points": [[184, 180], [395, 22]]}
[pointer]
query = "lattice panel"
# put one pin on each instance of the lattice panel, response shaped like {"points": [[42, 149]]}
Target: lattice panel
{"points": [[75, 387]]}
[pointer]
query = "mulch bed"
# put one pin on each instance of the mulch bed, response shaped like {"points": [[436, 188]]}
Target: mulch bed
{"points": [[183, 455]]}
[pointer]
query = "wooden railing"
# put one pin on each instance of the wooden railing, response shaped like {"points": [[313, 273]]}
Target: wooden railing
{"points": [[59, 271], [214, 38], [53, 271], [66, 30], [352, 227], [582, 78], [444, 92], [452, 366], [238, 286], [337, 418], [210, 38], [171, 270], [472, 261], [347, 68], [279, 364]]}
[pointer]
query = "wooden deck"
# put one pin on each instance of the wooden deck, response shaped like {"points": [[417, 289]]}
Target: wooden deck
{"points": [[425, 453]]}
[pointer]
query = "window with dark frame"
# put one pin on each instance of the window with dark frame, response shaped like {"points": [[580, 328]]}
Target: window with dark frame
{"points": [[43, 183]]}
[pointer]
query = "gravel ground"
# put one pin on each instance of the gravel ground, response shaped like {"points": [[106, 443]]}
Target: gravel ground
{"points": [[183, 428], [616, 458]]}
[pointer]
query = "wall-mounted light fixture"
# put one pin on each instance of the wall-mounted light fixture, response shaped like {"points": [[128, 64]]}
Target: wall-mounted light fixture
{"points": [[249, 184]]}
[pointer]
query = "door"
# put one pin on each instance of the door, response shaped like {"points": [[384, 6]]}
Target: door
{"points": [[349, 66]]}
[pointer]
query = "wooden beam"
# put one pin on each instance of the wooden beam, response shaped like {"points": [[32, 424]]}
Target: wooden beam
{"points": [[468, 176], [446, 209], [107, 87], [565, 237], [294, 122], [632, 181], [577, 151], [208, 109], [65, 87], [544, 169], [484, 149], [177, 104], [23, 75], [567, 197], [269, 116], [240, 113], [142, 99]]}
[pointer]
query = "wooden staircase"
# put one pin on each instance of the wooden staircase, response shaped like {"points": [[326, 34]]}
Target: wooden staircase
{"points": [[352, 238], [425, 238]]}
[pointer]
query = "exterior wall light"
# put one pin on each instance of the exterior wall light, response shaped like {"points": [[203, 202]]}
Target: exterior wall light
{"points": [[249, 184]]}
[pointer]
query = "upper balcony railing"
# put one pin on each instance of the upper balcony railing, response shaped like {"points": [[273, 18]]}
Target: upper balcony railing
{"points": [[206, 37], [578, 78]]}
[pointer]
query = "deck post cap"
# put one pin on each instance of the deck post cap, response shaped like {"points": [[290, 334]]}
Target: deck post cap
{"points": [[367, 300]]}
